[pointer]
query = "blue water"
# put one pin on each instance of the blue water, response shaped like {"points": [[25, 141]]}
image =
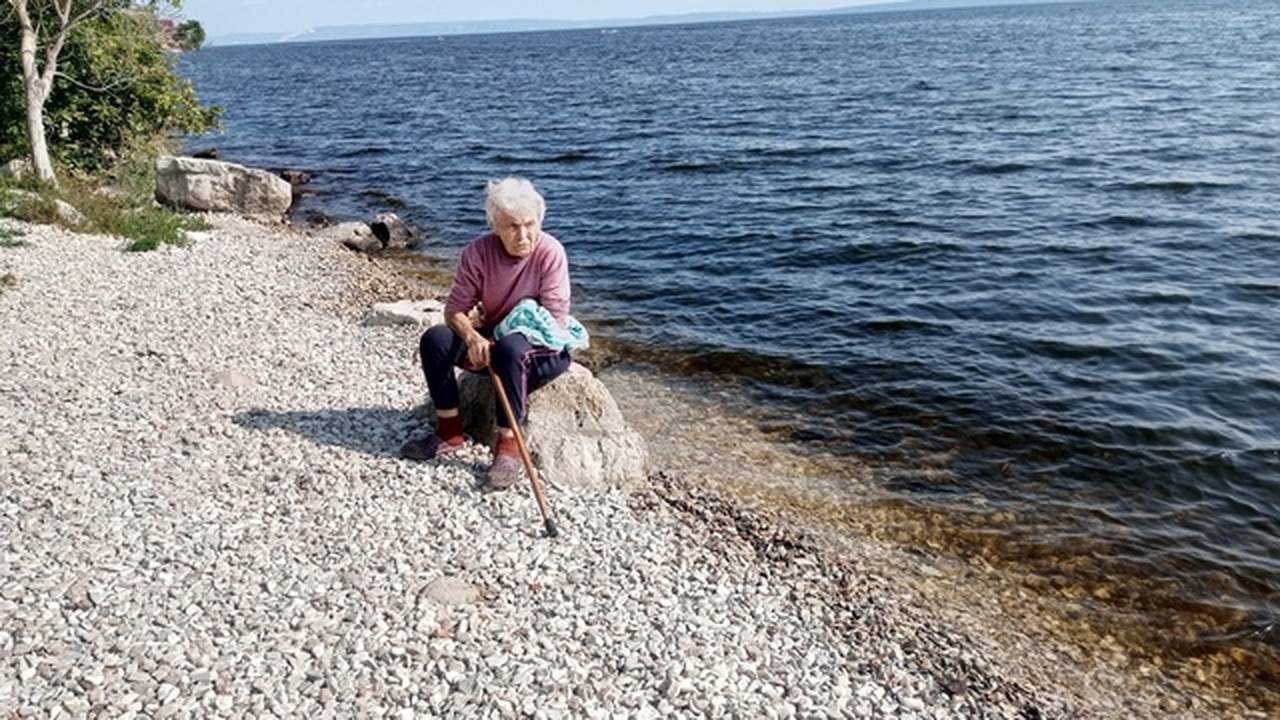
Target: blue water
{"points": [[1038, 242]]}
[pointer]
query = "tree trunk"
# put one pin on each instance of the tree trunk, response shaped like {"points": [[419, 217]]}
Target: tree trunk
{"points": [[39, 81], [37, 91], [40, 160]]}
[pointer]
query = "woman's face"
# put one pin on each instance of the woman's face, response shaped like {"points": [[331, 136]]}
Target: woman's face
{"points": [[519, 233]]}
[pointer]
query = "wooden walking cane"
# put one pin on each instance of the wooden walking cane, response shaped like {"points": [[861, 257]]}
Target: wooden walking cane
{"points": [[548, 524]]}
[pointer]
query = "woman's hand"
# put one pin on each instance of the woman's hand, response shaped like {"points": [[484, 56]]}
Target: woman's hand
{"points": [[477, 351], [477, 344]]}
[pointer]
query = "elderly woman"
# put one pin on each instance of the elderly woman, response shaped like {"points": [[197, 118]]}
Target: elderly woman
{"points": [[514, 262]]}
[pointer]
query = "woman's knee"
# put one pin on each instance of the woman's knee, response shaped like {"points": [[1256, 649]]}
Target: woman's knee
{"points": [[509, 351], [435, 345]]}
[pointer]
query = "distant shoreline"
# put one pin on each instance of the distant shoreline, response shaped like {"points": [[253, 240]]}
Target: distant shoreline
{"points": [[335, 33]]}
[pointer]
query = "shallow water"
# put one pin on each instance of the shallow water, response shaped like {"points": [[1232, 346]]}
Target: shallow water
{"points": [[1022, 263]]}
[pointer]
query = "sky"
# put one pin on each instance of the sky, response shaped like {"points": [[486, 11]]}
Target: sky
{"points": [[229, 17]]}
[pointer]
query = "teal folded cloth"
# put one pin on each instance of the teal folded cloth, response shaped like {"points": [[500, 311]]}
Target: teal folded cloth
{"points": [[538, 325]]}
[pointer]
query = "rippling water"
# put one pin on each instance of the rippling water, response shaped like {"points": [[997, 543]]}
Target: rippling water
{"points": [[1027, 257]]}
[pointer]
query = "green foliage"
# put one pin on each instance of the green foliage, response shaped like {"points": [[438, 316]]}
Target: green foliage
{"points": [[29, 199], [121, 202], [116, 83], [7, 280], [149, 228], [11, 238], [118, 201], [37, 209], [13, 104], [189, 35]]}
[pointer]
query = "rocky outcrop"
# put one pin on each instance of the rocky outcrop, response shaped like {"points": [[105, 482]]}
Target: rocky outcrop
{"points": [[576, 434], [215, 186]]}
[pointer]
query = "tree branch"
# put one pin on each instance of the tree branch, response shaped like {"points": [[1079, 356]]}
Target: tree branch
{"points": [[118, 82]]}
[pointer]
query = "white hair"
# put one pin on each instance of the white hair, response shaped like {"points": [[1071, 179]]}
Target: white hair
{"points": [[513, 196]]}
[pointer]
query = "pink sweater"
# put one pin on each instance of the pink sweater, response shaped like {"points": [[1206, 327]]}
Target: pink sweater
{"points": [[487, 275]]}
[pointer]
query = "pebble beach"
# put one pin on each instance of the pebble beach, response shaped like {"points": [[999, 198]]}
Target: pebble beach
{"points": [[202, 514]]}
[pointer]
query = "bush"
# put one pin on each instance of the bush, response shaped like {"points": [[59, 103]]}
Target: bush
{"points": [[155, 226]]}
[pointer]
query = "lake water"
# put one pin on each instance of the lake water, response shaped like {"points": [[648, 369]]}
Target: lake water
{"points": [[1023, 261]]}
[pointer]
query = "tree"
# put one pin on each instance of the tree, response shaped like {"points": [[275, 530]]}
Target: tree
{"points": [[122, 83], [189, 35], [120, 88]]}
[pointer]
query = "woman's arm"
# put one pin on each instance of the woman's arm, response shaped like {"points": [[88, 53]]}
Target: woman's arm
{"points": [[477, 344]]}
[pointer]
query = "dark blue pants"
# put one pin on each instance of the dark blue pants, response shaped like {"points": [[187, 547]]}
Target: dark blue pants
{"points": [[522, 368]]}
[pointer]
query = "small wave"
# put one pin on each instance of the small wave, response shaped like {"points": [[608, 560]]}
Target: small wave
{"points": [[1126, 221], [509, 159], [572, 156], [1006, 168], [703, 166], [857, 253], [1117, 359], [1175, 187], [690, 166], [902, 324], [365, 152], [1263, 290], [803, 152], [1258, 235], [1073, 162], [1161, 298]]}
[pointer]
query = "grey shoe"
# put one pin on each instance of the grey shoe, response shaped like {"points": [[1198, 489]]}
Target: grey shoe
{"points": [[504, 473], [427, 448]]}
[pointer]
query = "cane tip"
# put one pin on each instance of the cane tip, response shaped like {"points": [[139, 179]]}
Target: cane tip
{"points": [[552, 531]]}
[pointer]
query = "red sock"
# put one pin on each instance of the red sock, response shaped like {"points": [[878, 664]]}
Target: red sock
{"points": [[450, 429], [507, 446]]}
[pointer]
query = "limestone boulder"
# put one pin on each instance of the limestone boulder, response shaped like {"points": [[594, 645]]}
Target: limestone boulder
{"points": [[576, 434], [423, 313], [19, 169], [215, 186]]}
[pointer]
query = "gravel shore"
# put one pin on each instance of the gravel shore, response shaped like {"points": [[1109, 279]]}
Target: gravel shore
{"points": [[202, 515]]}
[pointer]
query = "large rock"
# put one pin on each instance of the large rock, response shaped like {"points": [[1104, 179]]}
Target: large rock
{"points": [[212, 185], [353, 234], [576, 434], [18, 169], [422, 313], [394, 233]]}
